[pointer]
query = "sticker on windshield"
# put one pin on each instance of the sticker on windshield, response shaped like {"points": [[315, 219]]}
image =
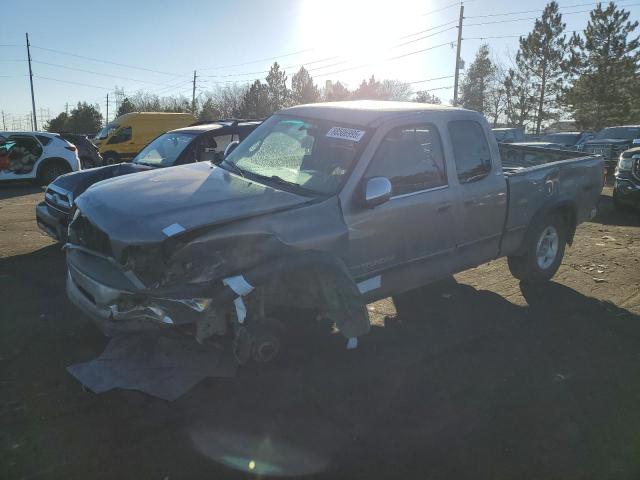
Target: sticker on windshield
{"points": [[346, 133]]}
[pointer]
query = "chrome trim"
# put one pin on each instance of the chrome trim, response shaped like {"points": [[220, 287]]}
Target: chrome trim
{"points": [[441, 187], [61, 191]]}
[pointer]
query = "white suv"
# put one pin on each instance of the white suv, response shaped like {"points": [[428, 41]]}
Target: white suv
{"points": [[37, 156]]}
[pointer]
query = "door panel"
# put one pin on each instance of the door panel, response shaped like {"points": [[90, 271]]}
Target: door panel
{"points": [[482, 195], [415, 225]]}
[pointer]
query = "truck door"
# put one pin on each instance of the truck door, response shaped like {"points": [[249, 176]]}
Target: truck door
{"points": [[414, 227], [482, 195]]}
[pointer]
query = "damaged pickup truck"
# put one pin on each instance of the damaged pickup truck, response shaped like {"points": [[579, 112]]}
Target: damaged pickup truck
{"points": [[328, 207]]}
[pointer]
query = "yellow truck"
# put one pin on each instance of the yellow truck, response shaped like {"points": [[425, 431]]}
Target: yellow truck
{"points": [[121, 139]]}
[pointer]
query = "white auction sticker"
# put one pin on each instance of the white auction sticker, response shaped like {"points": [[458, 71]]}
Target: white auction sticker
{"points": [[346, 133]]}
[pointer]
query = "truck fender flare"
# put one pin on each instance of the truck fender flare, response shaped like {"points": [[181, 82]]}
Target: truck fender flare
{"points": [[566, 208], [343, 299]]}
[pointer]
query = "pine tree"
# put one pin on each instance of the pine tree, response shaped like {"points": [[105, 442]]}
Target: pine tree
{"points": [[371, 90], [476, 83], [423, 96], [335, 92], [605, 68], [520, 101], [125, 107], [542, 57], [303, 89], [277, 92], [255, 101]]}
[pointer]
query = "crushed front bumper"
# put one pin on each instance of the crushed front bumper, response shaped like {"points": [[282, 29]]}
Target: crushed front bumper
{"points": [[115, 304], [53, 224]]}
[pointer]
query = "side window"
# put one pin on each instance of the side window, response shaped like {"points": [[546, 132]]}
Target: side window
{"points": [[470, 149], [23, 152], [411, 158], [43, 140], [121, 136]]}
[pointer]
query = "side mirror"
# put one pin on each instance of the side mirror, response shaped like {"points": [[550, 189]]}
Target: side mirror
{"points": [[377, 191], [230, 148]]}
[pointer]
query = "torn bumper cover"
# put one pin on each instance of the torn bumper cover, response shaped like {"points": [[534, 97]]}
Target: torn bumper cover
{"points": [[115, 301]]}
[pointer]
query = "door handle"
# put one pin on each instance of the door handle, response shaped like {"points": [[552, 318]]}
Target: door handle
{"points": [[586, 188], [469, 202], [443, 208]]}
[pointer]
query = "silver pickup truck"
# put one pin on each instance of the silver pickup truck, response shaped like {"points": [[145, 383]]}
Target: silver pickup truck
{"points": [[328, 207]]}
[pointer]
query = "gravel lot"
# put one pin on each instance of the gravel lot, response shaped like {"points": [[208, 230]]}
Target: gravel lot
{"points": [[479, 379]]}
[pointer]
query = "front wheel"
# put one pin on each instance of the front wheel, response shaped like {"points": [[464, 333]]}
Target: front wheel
{"points": [[111, 158], [52, 170], [543, 253]]}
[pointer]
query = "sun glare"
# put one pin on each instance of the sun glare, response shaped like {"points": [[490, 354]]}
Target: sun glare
{"points": [[359, 30]]}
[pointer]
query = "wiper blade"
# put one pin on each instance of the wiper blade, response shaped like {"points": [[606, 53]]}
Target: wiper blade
{"points": [[234, 167]]}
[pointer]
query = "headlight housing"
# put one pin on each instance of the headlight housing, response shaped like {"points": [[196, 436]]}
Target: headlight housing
{"points": [[625, 164]]}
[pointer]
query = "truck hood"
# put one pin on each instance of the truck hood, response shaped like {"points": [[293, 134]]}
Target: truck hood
{"points": [[77, 182], [151, 206]]}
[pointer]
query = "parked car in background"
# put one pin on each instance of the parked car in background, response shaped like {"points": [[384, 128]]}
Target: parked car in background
{"points": [[89, 155], [39, 156], [626, 189], [198, 143], [611, 142], [122, 139], [329, 207], [567, 139], [509, 135]]}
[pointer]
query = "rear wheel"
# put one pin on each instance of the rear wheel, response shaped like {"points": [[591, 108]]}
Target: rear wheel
{"points": [[52, 170], [543, 253]]}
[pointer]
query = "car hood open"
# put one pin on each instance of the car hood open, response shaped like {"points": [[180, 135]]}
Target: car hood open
{"points": [[151, 206]]}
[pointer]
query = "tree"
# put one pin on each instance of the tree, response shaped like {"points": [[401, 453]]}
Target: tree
{"points": [[84, 118], [303, 89], [605, 69], [335, 92], [496, 101], [542, 58], [395, 90], [58, 124], [278, 94], [371, 90], [520, 101], [424, 96], [256, 101], [476, 83], [125, 107]]}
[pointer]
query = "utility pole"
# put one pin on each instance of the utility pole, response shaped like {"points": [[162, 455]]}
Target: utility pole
{"points": [[458, 45], [66, 108], [33, 100], [107, 119], [4, 125], [193, 95]]}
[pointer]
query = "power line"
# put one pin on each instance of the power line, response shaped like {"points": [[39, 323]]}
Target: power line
{"points": [[98, 73], [429, 79], [260, 60], [104, 61], [535, 11], [72, 83], [510, 36]]}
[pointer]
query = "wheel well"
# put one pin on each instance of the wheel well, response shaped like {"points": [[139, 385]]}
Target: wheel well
{"points": [[49, 161], [568, 214]]}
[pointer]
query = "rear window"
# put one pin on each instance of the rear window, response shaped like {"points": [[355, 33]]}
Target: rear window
{"points": [[44, 140], [470, 149]]}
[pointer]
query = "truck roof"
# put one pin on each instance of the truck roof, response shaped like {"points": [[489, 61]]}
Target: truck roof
{"points": [[364, 112]]}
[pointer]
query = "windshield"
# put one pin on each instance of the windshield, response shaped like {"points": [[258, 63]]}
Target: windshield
{"points": [[106, 131], [313, 154], [562, 138], [164, 150], [619, 133]]}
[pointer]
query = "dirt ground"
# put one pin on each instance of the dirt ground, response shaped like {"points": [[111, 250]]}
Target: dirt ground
{"points": [[480, 379]]}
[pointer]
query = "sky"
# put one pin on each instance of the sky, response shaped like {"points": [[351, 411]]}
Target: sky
{"points": [[82, 50]]}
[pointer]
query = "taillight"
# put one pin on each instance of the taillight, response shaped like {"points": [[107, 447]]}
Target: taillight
{"points": [[71, 147]]}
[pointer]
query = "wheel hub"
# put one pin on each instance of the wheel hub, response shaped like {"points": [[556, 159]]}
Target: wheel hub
{"points": [[547, 248]]}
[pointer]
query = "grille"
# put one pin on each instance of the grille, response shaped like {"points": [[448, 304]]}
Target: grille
{"points": [[635, 167], [83, 232], [57, 200]]}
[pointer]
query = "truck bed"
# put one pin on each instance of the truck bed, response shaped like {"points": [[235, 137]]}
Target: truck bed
{"points": [[538, 178]]}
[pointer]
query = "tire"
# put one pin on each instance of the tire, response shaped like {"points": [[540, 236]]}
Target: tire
{"points": [[52, 170], [544, 250], [111, 158]]}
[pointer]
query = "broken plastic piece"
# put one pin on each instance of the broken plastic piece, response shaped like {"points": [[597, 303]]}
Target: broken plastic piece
{"points": [[173, 229], [241, 309], [239, 285], [352, 343]]}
